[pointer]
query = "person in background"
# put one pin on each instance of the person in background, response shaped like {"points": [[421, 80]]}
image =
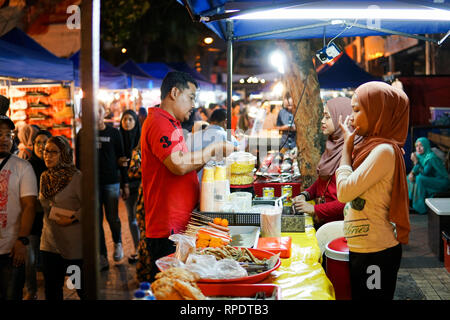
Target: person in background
{"points": [[215, 132], [33, 257], [202, 114], [130, 130], [270, 122], [327, 208], [18, 192], [142, 115], [4, 105], [26, 134], [113, 181], [169, 179], [371, 181], [61, 241], [235, 109], [286, 124], [427, 177], [199, 125]]}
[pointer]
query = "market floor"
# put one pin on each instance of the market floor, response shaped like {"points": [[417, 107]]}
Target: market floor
{"points": [[421, 276]]}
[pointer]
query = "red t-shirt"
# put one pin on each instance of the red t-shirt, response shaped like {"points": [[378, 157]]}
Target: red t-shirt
{"points": [[168, 199], [332, 209]]}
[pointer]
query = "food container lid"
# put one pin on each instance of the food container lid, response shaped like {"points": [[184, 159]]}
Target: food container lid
{"points": [[240, 156], [337, 249]]}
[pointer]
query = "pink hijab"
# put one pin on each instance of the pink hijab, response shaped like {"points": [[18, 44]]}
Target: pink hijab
{"points": [[387, 110], [331, 157]]}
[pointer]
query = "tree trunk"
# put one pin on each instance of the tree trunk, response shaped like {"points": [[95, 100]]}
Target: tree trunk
{"points": [[310, 140]]}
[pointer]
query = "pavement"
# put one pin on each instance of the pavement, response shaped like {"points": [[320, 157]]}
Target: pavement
{"points": [[421, 276]]}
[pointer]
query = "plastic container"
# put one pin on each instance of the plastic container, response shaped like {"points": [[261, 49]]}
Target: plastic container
{"points": [[146, 287], [337, 266], [241, 201], [446, 242], [281, 245], [139, 295], [241, 162], [241, 179], [271, 222], [240, 290]]}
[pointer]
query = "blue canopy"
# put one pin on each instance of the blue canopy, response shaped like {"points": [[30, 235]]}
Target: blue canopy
{"points": [[22, 57], [342, 72], [214, 12], [156, 69], [138, 78], [110, 76], [160, 69]]}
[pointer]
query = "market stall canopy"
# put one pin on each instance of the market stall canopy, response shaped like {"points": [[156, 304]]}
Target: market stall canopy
{"points": [[22, 57], [110, 76], [201, 79], [342, 72], [138, 78], [156, 69], [160, 69], [305, 19]]}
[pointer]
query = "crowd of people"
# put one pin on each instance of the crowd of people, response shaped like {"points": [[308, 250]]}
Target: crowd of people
{"points": [[150, 163]]}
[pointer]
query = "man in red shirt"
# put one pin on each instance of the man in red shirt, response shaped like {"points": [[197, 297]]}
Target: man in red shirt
{"points": [[169, 178]]}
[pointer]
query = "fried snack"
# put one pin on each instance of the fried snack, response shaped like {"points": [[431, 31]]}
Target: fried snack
{"points": [[188, 291], [237, 254], [177, 284], [179, 274], [163, 289]]}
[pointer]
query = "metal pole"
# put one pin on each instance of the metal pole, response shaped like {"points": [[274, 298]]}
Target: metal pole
{"points": [[89, 72], [229, 75]]}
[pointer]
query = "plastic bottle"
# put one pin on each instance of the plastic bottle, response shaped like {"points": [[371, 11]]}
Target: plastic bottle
{"points": [[145, 286], [139, 295]]}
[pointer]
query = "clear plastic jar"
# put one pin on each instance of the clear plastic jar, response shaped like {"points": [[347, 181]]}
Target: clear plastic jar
{"points": [[241, 162]]}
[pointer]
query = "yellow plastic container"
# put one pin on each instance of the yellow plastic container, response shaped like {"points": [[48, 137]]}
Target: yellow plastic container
{"points": [[220, 173], [208, 174], [241, 162]]}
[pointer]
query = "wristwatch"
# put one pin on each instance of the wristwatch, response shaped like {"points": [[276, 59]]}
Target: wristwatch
{"points": [[24, 240]]}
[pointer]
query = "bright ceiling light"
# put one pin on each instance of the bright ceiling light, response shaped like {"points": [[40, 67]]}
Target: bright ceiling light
{"points": [[277, 60], [208, 40], [348, 13]]}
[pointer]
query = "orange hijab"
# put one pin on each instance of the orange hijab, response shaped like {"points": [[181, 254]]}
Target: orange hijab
{"points": [[387, 110]]}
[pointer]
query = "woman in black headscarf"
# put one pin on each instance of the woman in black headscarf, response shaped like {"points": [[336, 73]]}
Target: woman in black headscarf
{"points": [[130, 130]]}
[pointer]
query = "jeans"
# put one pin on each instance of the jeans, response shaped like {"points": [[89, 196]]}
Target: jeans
{"points": [[109, 199], [130, 204], [55, 270], [12, 279], [33, 260]]}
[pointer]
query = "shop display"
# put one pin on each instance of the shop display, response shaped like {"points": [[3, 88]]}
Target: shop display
{"points": [[49, 106]]}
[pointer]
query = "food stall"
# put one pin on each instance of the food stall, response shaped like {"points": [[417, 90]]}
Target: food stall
{"points": [[235, 240], [38, 84]]}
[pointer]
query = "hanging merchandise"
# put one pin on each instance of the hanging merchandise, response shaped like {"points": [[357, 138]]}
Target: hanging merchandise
{"points": [[48, 106]]}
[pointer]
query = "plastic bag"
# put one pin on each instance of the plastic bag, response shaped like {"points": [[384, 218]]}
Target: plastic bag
{"points": [[209, 268], [165, 263], [185, 246]]}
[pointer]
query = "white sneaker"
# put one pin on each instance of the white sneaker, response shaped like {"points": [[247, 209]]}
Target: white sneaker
{"points": [[15, 93], [19, 105], [118, 252], [104, 264]]}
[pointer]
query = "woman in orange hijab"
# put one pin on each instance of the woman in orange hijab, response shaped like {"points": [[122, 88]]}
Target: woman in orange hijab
{"points": [[371, 181]]}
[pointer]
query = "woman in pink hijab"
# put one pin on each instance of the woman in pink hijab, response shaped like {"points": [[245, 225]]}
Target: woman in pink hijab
{"points": [[327, 208], [26, 136]]}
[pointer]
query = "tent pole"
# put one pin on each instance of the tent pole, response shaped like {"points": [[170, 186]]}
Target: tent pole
{"points": [[229, 75], [89, 67]]}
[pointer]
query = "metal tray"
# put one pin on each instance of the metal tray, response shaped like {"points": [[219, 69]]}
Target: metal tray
{"points": [[244, 236]]}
